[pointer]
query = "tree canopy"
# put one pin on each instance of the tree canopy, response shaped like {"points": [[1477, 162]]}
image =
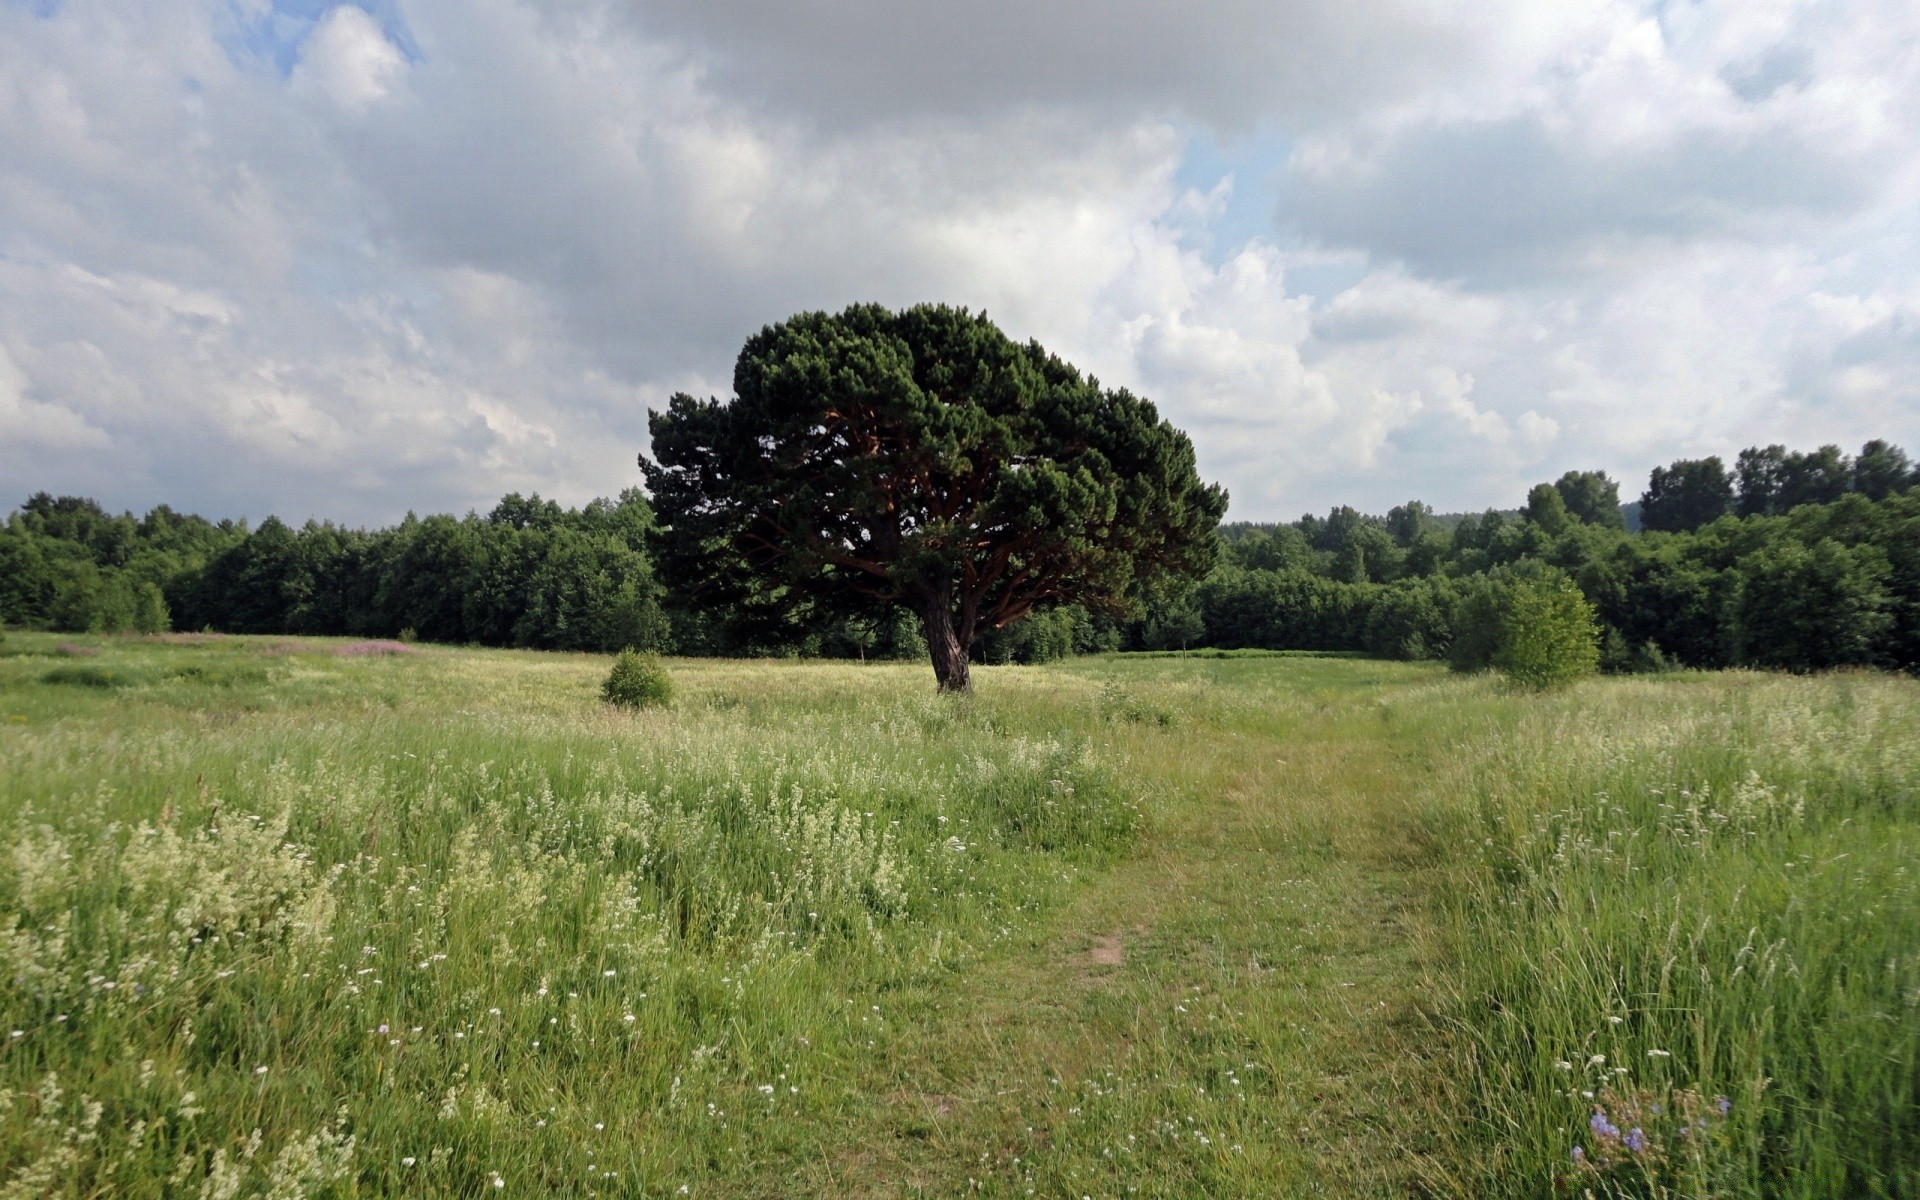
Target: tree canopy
{"points": [[1686, 495], [871, 460]]}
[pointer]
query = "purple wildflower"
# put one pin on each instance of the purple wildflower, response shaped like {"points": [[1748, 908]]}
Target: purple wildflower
{"points": [[1723, 1104], [1579, 1156], [1635, 1140], [1602, 1127]]}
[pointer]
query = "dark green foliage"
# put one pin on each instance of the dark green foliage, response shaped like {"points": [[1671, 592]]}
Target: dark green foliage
{"points": [[872, 460], [1406, 522], [1794, 585], [1049, 635], [1591, 498], [1759, 472], [1647, 659], [1821, 477], [1881, 470], [1698, 588], [1686, 495], [1411, 620], [1808, 607], [1773, 480], [1547, 508], [1283, 610], [1266, 548], [1478, 621], [1040, 637], [637, 681], [529, 574], [1173, 624]]}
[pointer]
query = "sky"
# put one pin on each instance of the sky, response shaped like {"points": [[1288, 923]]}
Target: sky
{"points": [[349, 260]]}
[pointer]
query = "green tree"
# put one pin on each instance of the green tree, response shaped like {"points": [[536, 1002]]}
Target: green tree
{"points": [[873, 459], [1269, 549], [1547, 508], [1529, 622], [1810, 607], [1174, 624], [1350, 562], [150, 609], [1759, 474], [1548, 634], [1407, 521], [1881, 470], [1410, 620], [637, 681], [1686, 495], [1592, 498], [1817, 477]]}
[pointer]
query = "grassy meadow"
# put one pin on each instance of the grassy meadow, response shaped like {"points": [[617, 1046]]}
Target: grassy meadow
{"points": [[305, 918]]}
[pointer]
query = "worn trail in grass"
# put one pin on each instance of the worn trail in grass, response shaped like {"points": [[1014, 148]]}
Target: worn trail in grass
{"points": [[1230, 1012]]}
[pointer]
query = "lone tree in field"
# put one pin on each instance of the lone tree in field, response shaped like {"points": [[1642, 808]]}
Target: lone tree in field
{"points": [[872, 460]]}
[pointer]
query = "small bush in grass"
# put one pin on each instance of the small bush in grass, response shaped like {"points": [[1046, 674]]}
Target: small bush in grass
{"points": [[1532, 626], [637, 681], [1550, 636], [150, 614]]}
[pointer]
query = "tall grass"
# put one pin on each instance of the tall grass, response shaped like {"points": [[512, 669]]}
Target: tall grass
{"points": [[281, 920], [1685, 922], [440, 923]]}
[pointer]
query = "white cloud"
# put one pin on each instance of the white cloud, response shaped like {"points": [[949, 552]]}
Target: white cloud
{"points": [[348, 60], [26, 422], [386, 258]]}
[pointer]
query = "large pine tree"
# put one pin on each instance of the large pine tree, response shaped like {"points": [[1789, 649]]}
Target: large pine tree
{"points": [[872, 460]]}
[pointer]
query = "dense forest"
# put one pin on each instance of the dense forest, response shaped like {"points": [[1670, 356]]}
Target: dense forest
{"points": [[1790, 560]]}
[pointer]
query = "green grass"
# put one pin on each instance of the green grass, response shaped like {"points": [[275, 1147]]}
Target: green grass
{"points": [[1687, 897], [443, 923]]}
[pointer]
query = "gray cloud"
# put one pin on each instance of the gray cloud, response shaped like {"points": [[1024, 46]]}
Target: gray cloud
{"points": [[418, 258], [1493, 202], [1228, 61]]}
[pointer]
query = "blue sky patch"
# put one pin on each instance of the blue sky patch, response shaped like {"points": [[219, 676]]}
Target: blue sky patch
{"points": [[1254, 161], [275, 37]]}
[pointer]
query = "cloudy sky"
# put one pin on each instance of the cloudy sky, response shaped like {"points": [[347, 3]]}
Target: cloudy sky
{"points": [[328, 259]]}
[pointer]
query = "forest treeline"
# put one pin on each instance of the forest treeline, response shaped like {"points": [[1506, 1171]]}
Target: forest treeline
{"points": [[1788, 560]]}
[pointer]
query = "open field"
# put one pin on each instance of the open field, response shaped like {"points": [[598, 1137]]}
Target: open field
{"points": [[281, 918]]}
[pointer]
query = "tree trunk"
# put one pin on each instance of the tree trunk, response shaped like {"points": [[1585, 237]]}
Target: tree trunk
{"points": [[943, 643]]}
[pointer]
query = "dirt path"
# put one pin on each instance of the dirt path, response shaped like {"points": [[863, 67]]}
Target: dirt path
{"points": [[1230, 1014]]}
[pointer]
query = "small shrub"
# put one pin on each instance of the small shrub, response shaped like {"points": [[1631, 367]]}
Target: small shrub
{"points": [[637, 681], [1648, 659], [150, 614], [1548, 637], [904, 640]]}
